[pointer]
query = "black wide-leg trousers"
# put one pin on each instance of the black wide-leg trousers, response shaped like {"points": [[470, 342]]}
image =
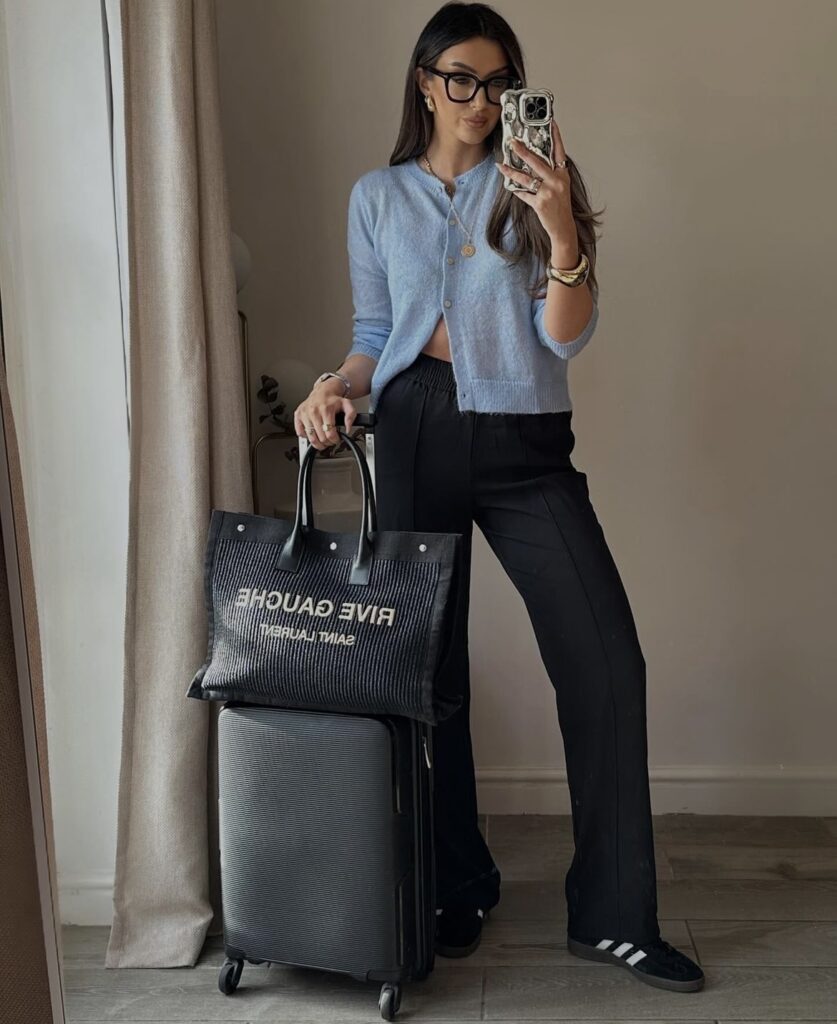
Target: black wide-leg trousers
{"points": [[439, 469]]}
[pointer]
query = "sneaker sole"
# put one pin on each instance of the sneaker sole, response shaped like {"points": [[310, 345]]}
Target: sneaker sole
{"points": [[455, 951], [591, 953]]}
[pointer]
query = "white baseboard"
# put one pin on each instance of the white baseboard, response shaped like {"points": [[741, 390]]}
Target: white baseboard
{"points": [[690, 789], [86, 899]]}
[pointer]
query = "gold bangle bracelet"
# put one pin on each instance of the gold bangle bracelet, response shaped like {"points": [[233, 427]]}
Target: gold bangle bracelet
{"points": [[572, 278]]}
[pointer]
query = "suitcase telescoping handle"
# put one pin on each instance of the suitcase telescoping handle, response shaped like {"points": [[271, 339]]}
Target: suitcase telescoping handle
{"points": [[362, 419]]}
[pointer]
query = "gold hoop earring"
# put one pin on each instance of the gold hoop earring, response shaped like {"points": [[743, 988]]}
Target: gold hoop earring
{"points": [[429, 101]]}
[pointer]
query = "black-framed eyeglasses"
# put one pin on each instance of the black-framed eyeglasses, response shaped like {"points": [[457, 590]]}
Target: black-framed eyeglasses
{"points": [[462, 87]]}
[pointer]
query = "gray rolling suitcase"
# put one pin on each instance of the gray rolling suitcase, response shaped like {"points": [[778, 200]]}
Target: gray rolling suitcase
{"points": [[326, 834]]}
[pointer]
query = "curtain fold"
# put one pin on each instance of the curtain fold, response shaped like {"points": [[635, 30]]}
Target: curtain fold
{"points": [[188, 454]]}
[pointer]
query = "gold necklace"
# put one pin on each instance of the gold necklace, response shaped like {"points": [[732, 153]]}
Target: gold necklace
{"points": [[469, 248]]}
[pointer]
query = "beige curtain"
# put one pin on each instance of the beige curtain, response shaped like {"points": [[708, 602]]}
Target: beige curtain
{"points": [[188, 454]]}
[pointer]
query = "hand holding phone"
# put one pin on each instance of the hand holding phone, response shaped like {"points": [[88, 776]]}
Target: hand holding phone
{"points": [[527, 116]]}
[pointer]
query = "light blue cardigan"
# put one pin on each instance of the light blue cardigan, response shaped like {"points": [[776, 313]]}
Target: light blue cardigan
{"points": [[406, 269]]}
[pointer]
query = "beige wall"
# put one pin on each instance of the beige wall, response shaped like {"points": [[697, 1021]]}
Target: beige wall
{"points": [[704, 411]]}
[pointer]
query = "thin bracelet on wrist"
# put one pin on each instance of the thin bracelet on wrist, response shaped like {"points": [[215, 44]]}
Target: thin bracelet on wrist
{"points": [[347, 384]]}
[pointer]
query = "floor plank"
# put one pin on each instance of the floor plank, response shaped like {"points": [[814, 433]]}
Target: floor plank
{"points": [[794, 863], [742, 830], [735, 993], [266, 992], [748, 899], [765, 943]]}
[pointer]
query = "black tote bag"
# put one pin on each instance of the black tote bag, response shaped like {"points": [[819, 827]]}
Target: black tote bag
{"points": [[305, 618]]}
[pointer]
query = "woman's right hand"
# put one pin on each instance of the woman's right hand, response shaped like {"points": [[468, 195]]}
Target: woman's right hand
{"points": [[320, 407]]}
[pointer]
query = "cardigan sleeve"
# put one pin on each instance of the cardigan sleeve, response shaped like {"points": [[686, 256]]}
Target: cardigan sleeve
{"points": [[372, 318], [566, 350]]}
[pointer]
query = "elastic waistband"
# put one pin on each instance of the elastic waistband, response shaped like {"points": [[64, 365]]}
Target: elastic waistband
{"points": [[437, 373]]}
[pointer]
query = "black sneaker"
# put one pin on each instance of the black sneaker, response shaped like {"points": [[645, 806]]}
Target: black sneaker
{"points": [[459, 929], [656, 963]]}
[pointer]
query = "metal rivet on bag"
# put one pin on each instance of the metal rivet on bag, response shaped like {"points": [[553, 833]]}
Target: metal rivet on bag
{"points": [[333, 545], [241, 527], [422, 547]]}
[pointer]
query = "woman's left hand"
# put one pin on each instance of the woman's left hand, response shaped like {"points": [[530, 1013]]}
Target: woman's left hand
{"points": [[553, 200]]}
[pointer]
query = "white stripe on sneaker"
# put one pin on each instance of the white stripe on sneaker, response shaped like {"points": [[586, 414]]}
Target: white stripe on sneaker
{"points": [[640, 953], [623, 948], [604, 943]]}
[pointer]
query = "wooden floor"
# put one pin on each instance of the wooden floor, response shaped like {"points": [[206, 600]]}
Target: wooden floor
{"points": [[753, 900]]}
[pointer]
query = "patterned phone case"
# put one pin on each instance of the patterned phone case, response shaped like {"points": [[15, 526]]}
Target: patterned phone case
{"points": [[527, 115]]}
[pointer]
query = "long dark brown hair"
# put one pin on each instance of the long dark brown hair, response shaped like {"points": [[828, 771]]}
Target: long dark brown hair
{"points": [[454, 23]]}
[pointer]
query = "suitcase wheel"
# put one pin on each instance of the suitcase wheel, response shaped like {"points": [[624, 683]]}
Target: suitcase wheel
{"points": [[230, 975], [389, 1000]]}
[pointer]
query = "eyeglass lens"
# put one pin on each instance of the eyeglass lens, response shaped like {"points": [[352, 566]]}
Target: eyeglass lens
{"points": [[463, 87]]}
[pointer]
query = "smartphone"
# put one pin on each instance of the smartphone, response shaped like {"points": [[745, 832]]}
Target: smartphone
{"points": [[527, 115]]}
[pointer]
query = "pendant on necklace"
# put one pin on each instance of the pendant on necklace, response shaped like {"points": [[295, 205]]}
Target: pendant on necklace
{"points": [[468, 250]]}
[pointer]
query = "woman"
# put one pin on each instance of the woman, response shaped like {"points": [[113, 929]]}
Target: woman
{"points": [[464, 358]]}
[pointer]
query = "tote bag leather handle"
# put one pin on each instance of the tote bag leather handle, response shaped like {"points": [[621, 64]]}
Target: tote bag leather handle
{"points": [[366, 420], [292, 549]]}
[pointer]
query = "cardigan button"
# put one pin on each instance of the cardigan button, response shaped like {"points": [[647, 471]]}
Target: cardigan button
{"points": [[452, 220], [447, 303], [450, 259]]}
